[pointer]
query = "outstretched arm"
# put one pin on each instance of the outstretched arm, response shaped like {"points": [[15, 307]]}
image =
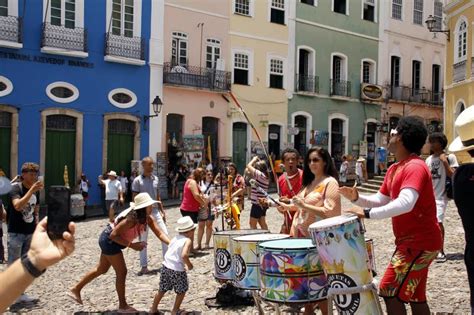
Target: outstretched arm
{"points": [[157, 231]]}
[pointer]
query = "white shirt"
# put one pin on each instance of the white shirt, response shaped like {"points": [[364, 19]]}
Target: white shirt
{"points": [[173, 259], [124, 182], [112, 189], [438, 173], [359, 171], [84, 186]]}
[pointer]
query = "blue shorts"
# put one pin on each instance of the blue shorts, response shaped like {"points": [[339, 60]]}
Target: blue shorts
{"points": [[107, 246]]}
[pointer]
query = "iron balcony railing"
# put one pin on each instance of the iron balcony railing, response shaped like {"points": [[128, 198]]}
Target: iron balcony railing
{"points": [[408, 94], [307, 83], [400, 93], [198, 77], [459, 71], [64, 38], [11, 29], [126, 47], [340, 88]]}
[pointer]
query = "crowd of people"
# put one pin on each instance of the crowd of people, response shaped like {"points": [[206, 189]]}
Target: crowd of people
{"points": [[414, 194]]}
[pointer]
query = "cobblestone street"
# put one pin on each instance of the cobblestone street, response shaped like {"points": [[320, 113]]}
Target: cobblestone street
{"points": [[447, 288]]}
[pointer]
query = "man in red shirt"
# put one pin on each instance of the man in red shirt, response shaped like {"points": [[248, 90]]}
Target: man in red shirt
{"points": [[407, 197], [290, 184]]}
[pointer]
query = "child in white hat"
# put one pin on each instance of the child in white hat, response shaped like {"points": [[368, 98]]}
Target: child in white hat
{"points": [[173, 273]]}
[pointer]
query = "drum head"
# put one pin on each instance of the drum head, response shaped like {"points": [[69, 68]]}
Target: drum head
{"points": [[290, 243], [260, 237], [332, 222]]}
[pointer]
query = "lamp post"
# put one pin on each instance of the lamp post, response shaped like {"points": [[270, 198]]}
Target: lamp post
{"points": [[157, 106], [431, 24]]}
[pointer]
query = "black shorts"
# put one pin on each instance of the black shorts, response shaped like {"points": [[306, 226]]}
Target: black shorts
{"points": [[257, 211], [107, 246], [192, 214], [171, 279]]}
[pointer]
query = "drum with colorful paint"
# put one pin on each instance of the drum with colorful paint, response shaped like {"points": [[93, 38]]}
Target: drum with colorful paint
{"points": [[369, 243], [343, 253], [245, 260], [223, 251], [291, 271]]}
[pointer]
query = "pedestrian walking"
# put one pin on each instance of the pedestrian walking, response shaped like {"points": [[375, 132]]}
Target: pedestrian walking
{"points": [[84, 187], [124, 182], [343, 170], [205, 217], [113, 193]]}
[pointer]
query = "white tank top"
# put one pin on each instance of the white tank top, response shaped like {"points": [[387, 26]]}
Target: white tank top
{"points": [[173, 258]]}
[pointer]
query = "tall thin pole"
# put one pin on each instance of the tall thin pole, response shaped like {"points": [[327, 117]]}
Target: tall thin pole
{"points": [[201, 25]]}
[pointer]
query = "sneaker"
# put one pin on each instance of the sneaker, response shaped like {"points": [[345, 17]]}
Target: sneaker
{"points": [[26, 299], [441, 257]]}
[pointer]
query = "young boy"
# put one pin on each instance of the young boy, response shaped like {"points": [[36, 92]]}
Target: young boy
{"points": [[173, 273]]}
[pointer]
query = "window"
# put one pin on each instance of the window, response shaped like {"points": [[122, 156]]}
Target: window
{"points": [[438, 14], [436, 77], [368, 72], [241, 69], [277, 14], [369, 10], [310, 2], [60, 17], [340, 6], [418, 12], [276, 73], [337, 69], [3, 7], [461, 41], [122, 17], [122, 98], [395, 71], [179, 49], [397, 9], [416, 76], [6, 86], [213, 52], [242, 7], [62, 92]]}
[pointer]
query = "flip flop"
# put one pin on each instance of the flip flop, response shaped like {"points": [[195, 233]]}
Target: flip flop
{"points": [[74, 297]]}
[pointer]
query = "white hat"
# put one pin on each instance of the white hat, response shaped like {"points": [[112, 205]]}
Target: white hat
{"points": [[360, 159], [464, 126], [112, 173], [142, 200], [185, 224]]}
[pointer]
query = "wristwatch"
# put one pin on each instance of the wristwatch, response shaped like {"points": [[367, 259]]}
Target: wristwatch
{"points": [[26, 262], [367, 212]]}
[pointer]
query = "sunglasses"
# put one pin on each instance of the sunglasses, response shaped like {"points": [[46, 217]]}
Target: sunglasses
{"points": [[314, 160]]}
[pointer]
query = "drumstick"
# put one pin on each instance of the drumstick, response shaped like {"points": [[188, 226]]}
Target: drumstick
{"points": [[254, 184]]}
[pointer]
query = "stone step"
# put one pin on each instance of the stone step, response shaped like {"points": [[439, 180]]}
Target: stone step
{"points": [[371, 186], [375, 181], [366, 190]]}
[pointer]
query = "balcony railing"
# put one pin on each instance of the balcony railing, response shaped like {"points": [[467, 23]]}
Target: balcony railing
{"points": [[126, 47], [408, 94], [11, 29], [459, 71], [400, 93], [57, 36], [307, 83], [196, 77], [340, 88]]}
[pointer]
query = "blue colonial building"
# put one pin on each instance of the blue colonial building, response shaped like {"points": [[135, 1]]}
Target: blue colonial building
{"points": [[74, 86]]}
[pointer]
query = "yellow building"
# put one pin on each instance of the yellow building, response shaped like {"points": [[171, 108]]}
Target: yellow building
{"points": [[259, 62], [459, 69]]}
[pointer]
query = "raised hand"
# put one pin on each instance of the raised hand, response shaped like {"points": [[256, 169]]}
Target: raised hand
{"points": [[350, 193]]}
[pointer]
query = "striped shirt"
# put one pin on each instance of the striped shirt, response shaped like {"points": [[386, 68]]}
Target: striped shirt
{"points": [[263, 182]]}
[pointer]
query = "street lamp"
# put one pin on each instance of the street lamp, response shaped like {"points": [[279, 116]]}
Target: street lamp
{"points": [[431, 22], [157, 105]]}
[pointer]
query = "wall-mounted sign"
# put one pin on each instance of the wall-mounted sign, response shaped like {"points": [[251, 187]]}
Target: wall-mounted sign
{"points": [[47, 60], [371, 92], [273, 136]]}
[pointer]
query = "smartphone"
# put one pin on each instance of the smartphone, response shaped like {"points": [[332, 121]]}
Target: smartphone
{"points": [[59, 211]]}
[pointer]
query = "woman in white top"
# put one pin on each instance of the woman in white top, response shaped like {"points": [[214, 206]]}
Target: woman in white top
{"points": [[205, 219]]}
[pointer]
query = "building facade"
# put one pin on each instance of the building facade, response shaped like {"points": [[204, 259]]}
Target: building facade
{"points": [[411, 63], [74, 86], [333, 54], [196, 80], [459, 71], [259, 63]]}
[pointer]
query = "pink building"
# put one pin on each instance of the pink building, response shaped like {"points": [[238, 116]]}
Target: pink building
{"points": [[195, 81]]}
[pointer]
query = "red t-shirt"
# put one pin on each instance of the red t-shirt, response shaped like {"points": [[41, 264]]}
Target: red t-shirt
{"points": [[417, 229], [296, 182]]}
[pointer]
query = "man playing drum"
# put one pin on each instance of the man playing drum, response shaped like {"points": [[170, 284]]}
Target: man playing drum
{"points": [[407, 197]]}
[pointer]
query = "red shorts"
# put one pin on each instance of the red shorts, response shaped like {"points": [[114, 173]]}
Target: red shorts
{"points": [[407, 274]]}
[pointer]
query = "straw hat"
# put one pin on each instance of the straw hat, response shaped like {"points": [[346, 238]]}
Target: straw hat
{"points": [[142, 200], [464, 126], [185, 224], [360, 159], [112, 173]]}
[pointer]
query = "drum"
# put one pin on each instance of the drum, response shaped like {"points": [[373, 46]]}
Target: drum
{"points": [[343, 253], [291, 271], [245, 260], [223, 251], [369, 243]]}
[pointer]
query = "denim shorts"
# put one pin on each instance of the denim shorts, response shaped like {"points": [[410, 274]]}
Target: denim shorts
{"points": [[18, 244], [107, 246]]}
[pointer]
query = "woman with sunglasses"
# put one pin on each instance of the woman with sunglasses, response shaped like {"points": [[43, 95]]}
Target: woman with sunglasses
{"points": [[318, 199], [205, 217]]}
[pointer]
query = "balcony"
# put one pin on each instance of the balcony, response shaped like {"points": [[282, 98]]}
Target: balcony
{"points": [[122, 49], [459, 71], [11, 32], [422, 96], [340, 88], [197, 77], [307, 84], [399, 93], [60, 40]]}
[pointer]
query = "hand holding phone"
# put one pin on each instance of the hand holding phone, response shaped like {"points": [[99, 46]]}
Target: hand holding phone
{"points": [[59, 209]]}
